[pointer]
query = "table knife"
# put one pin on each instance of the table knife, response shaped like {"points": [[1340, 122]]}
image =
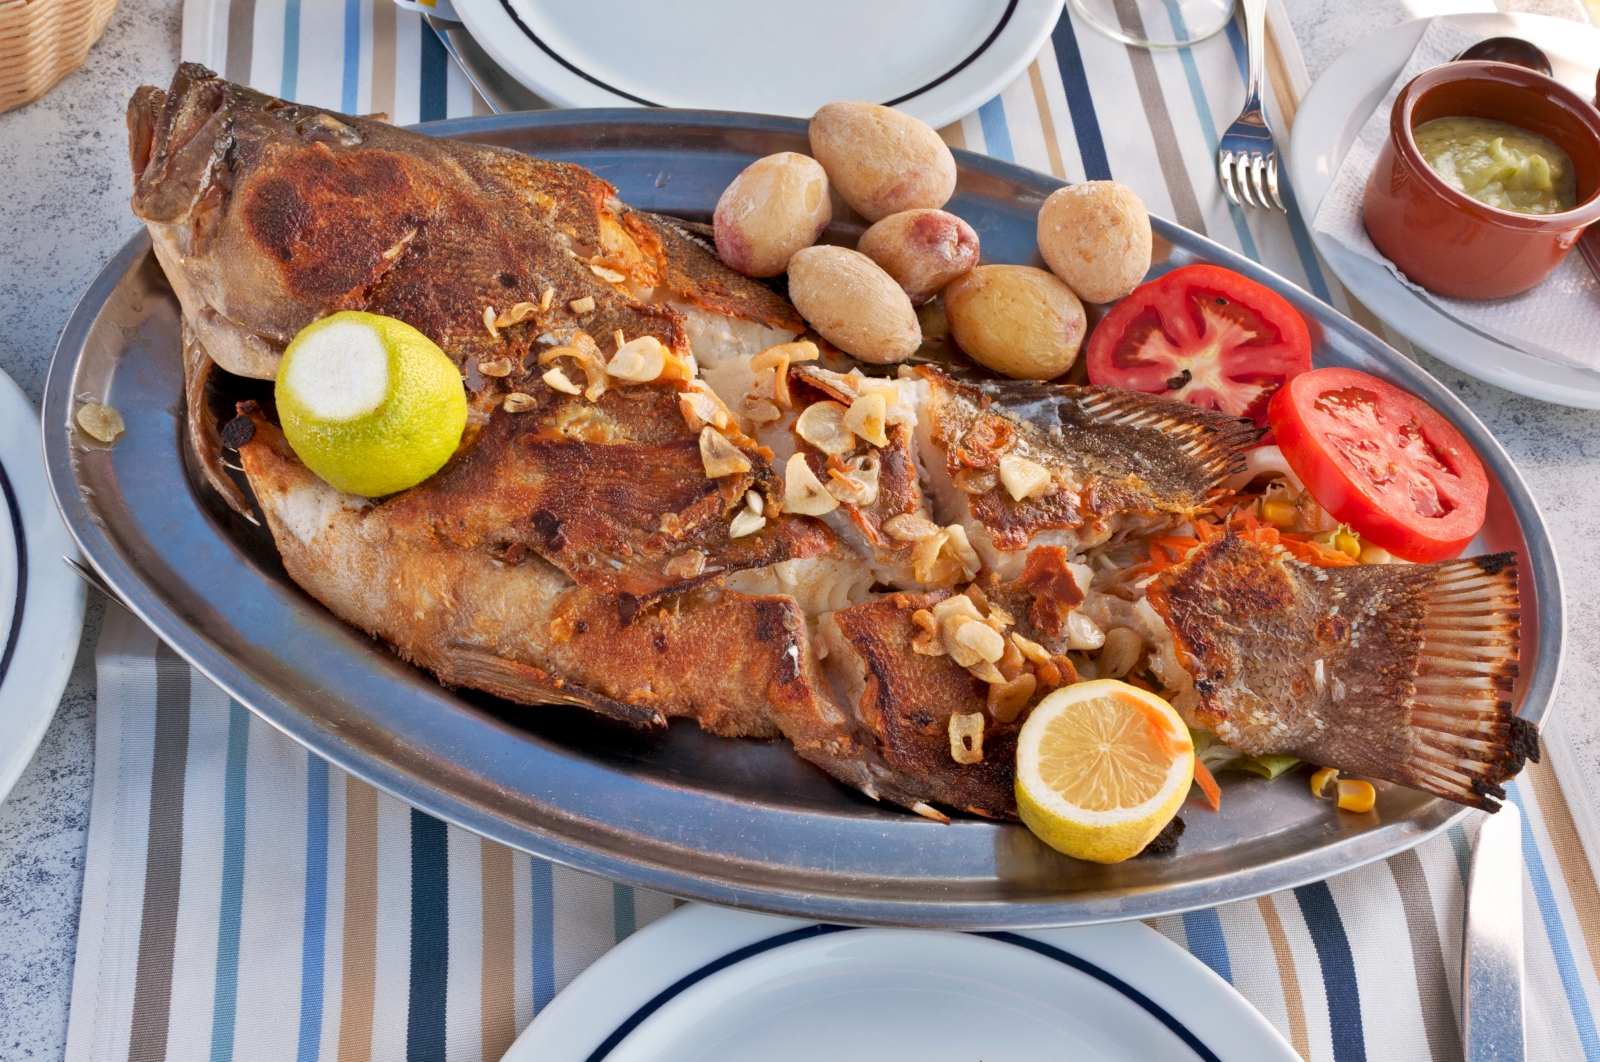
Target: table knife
{"points": [[1491, 953]]}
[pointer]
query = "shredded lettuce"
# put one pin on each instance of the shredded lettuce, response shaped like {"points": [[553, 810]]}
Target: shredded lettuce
{"points": [[1209, 750]]}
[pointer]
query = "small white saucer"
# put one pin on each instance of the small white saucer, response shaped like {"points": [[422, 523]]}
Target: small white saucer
{"points": [[713, 984], [934, 59], [1325, 126], [41, 600]]}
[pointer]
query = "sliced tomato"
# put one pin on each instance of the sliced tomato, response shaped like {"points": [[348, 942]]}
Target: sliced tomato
{"points": [[1383, 461], [1205, 335]]}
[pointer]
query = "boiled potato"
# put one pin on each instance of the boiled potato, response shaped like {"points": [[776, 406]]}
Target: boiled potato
{"points": [[922, 249], [882, 161], [1096, 237], [776, 206], [855, 305], [1017, 320]]}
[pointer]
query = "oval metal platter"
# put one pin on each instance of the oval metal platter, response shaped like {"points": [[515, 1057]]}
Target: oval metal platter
{"points": [[726, 821]]}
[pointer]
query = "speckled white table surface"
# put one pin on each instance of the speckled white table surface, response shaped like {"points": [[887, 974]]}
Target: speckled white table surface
{"points": [[64, 193]]}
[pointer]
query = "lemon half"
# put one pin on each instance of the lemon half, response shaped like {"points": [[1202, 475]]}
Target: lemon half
{"points": [[1101, 768], [369, 403]]}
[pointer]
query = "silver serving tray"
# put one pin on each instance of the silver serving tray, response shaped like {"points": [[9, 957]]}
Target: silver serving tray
{"points": [[727, 821]]}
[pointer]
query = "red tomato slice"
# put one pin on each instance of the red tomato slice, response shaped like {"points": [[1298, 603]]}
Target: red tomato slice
{"points": [[1205, 335], [1383, 461]]}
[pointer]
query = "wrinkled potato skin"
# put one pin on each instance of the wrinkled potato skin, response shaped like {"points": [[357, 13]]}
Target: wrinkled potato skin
{"points": [[1017, 320], [776, 206], [1096, 237], [881, 161], [922, 249], [855, 305]]}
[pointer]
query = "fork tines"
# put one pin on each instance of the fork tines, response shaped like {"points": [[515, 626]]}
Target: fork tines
{"points": [[1244, 172]]}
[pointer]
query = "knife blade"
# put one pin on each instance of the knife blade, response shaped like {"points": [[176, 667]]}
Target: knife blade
{"points": [[1491, 953], [501, 91]]}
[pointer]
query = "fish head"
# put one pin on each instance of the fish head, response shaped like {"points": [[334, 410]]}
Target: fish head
{"points": [[172, 142]]}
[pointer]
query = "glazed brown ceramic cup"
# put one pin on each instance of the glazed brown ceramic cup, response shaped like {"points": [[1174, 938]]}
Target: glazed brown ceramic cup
{"points": [[1449, 242]]}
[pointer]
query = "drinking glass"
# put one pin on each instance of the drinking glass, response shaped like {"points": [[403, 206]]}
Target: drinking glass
{"points": [[1156, 23]]}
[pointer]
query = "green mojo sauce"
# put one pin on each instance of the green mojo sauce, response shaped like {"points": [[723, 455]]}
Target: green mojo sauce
{"points": [[1499, 164]]}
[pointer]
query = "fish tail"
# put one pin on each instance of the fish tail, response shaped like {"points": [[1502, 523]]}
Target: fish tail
{"points": [[1466, 737]]}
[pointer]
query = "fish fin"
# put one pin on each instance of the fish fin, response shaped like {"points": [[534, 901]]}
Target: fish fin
{"points": [[525, 684], [1466, 739], [204, 439], [1139, 452], [1214, 439]]}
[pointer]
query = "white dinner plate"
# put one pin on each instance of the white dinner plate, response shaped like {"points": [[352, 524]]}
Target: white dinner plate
{"points": [[717, 985], [1325, 126], [934, 59], [41, 600]]}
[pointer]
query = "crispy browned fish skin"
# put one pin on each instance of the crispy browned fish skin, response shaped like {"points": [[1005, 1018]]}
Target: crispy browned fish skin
{"points": [[268, 215], [898, 490], [905, 701], [612, 492], [524, 632], [1418, 662], [1130, 454]]}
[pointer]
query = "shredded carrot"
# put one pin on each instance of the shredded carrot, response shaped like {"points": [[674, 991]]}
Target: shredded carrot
{"points": [[1165, 552], [1208, 785], [1227, 505], [1316, 554], [1164, 739]]}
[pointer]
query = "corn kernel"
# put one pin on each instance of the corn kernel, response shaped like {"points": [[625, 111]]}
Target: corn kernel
{"points": [[1356, 795], [1348, 544], [1371, 554], [1279, 513], [1322, 780]]}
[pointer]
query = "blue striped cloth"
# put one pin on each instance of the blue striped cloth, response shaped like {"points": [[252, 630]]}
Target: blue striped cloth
{"points": [[243, 900]]}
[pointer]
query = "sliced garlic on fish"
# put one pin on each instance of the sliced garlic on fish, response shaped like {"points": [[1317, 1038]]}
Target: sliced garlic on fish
{"points": [[822, 425], [857, 484], [639, 360], [803, 492], [910, 527], [746, 523], [720, 457], [1082, 632], [865, 418], [1023, 478]]}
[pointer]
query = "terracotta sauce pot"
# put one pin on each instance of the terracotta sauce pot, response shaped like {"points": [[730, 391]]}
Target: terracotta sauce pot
{"points": [[1449, 242]]}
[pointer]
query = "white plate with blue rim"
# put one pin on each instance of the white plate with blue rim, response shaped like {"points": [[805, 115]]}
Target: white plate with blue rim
{"points": [[41, 600], [712, 984], [936, 60]]}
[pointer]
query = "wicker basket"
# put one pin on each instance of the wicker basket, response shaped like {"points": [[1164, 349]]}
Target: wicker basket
{"points": [[42, 41]]}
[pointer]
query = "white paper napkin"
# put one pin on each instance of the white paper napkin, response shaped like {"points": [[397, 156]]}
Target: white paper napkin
{"points": [[1558, 320]]}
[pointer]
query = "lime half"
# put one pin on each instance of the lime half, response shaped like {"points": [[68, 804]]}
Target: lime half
{"points": [[369, 403]]}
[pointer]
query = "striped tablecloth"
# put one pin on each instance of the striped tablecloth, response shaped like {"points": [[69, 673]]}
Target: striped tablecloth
{"points": [[243, 900]]}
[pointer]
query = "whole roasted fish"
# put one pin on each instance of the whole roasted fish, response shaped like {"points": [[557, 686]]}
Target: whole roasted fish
{"points": [[627, 548]]}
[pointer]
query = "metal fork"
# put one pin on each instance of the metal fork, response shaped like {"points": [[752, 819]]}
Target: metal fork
{"points": [[1247, 157]]}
